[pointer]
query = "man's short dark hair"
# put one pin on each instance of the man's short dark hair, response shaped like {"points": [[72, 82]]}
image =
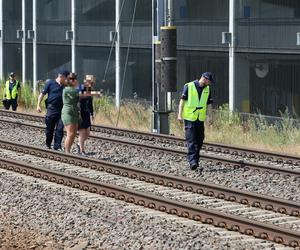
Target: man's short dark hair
{"points": [[64, 73]]}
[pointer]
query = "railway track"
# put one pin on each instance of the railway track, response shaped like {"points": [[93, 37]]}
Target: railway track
{"points": [[171, 140], [210, 159], [231, 222]]}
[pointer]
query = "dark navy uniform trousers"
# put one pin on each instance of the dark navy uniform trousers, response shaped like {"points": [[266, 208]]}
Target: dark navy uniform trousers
{"points": [[13, 103], [53, 122], [194, 135]]}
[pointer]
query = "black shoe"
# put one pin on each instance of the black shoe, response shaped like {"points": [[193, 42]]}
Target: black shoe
{"points": [[200, 169], [78, 149], [48, 146], [193, 167], [84, 153]]}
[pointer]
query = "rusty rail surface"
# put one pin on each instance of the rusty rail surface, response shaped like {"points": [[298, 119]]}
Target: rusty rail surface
{"points": [[210, 159], [172, 140], [219, 219], [244, 197]]}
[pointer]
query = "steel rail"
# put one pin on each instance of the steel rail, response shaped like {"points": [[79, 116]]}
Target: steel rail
{"points": [[209, 146], [231, 222], [210, 159], [244, 197]]}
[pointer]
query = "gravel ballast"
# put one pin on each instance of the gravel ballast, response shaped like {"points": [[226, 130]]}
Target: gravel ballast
{"points": [[55, 217], [221, 205], [250, 180]]}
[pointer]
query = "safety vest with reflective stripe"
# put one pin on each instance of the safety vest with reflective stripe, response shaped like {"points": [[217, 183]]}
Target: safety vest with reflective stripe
{"points": [[194, 108], [14, 91]]}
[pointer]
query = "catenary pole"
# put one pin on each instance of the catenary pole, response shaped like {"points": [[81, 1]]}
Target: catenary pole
{"points": [[169, 23], [160, 113], [1, 40], [232, 55], [154, 98], [34, 46], [23, 41], [117, 53], [73, 40]]}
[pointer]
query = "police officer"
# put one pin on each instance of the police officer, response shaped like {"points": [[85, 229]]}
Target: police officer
{"points": [[12, 88], [54, 104], [193, 105]]}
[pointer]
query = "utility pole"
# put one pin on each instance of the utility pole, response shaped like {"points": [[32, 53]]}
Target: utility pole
{"points": [[117, 53], [169, 22], [73, 29], [1, 40], [158, 99], [34, 46], [71, 35], [163, 64], [232, 42], [23, 42]]}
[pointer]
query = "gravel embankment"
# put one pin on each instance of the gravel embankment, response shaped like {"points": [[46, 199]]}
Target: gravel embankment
{"points": [[167, 145], [275, 185], [39, 215], [261, 215]]}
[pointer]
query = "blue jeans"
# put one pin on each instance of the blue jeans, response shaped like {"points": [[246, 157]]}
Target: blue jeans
{"points": [[53, 122], [194, 135]]}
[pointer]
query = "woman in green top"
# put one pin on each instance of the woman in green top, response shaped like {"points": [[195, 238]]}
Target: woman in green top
{"points": [[70, 111]]}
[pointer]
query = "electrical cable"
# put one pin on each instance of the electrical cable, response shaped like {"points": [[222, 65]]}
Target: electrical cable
{"points": [[113, 43], [127, 57]]}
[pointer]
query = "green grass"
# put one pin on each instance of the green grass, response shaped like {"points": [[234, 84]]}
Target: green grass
{"points": [[27, 99], [227, 127]]}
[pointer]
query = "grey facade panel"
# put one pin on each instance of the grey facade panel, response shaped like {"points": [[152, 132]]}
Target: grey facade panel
{"points": [[262, 25], [201, 34], [267, 34]]}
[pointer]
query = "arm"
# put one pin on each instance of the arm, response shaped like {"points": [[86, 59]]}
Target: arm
{"points": [[91, 108], [19, 92], [40, 98], [209, 113], [4, 91], [180, 109], [209, 110], [184, 97]]}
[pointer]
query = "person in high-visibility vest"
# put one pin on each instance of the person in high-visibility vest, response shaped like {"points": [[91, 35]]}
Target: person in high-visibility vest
{"points": [[11, 92], [195, 100]]}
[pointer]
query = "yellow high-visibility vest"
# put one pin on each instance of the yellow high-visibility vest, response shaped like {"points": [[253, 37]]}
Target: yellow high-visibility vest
{"points": [[194, 108], [14, 91]]}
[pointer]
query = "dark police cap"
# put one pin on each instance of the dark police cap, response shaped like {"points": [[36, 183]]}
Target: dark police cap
{"points": [[63, 72], [208, 76]]}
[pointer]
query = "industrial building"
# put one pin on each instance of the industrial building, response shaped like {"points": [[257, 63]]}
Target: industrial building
{"points": [[38, 37]]}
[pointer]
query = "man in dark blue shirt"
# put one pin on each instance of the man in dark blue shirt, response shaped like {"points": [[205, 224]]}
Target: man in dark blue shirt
{"points": [[54, 104]]}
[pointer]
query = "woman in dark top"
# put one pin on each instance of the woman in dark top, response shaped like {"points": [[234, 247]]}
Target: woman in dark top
{"points": [[87, 113]]}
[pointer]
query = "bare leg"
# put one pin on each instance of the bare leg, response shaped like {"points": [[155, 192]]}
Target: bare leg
{"points": [[71, 133], [81, 139], [83, 135]]}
